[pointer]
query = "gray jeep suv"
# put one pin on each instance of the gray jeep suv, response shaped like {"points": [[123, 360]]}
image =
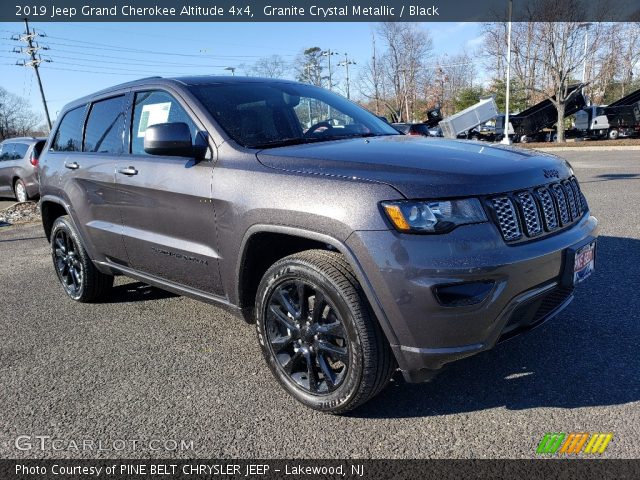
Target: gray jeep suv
{"points": [[356, 250]]}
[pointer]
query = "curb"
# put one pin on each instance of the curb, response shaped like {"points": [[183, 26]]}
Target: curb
{"points": [[589, 149]]}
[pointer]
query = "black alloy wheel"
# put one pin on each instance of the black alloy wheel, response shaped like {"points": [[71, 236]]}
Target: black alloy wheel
{"points": [[67, 263], [307, 337], [318, 334], [80, 278]]}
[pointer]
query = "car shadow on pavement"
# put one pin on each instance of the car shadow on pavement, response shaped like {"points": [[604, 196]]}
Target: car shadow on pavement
{"points": [[587, 356], [613, 176], [136, 292]]}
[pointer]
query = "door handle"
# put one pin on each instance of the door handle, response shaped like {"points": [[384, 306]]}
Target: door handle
{"points": [[129, 171], [71, 165]]}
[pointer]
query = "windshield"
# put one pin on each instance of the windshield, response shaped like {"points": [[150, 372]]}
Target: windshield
{"points": [[263, 115]]}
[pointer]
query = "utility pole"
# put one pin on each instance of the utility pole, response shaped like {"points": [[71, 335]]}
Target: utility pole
{"points": [[506, 140], [34, 62], [346, 64], [375, 75], [328, 54]]}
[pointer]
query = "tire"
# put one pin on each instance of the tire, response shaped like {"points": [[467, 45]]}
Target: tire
{"points": [[613, 134], [20, 190], [79, 277], [524, 139], [338, 358]]}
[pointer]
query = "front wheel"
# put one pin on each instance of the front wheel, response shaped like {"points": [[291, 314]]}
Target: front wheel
{"points": [[317, 334], [80, 278]]}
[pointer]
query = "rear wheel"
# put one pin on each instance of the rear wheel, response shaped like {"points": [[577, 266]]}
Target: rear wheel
{"points": [[20, 190], [80, 278], [613, 134], [317, 333]]}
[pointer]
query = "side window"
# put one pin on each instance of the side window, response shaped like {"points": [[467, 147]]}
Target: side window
{"points": [[155, 107], [6, 151], [105, 126], [20, 151], [69, 135]]}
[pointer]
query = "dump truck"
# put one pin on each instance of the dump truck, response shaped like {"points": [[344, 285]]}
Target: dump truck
{"points": [[530, 124], [469, 118], [619, 119]]}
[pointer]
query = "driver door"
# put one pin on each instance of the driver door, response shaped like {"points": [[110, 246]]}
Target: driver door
{"points": [[166, 203]]}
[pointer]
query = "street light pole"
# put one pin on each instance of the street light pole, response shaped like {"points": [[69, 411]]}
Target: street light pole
{"points": [[506, 140], [586, 26], [346, 64], [329, 53]]}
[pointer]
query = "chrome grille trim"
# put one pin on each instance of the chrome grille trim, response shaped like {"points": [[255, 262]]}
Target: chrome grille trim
{"points": [[561, 201], [507, 218], [573, 205], [536, 212], [531, 217], [548, 209]]}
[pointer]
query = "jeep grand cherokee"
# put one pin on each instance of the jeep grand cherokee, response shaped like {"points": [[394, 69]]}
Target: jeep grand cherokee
{"points": [[356, 250]]}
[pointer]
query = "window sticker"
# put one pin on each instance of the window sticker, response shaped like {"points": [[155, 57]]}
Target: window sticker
{"points": [[152, 114]]}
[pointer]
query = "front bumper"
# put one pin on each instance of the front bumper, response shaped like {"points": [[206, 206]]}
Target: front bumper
{"points": [[425, 335]]}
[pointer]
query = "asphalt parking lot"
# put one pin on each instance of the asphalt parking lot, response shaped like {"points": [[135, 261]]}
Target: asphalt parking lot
{"points": [[150, 365]]}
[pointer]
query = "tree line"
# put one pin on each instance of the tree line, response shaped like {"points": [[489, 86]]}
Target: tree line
{"points": [[404, 77]]}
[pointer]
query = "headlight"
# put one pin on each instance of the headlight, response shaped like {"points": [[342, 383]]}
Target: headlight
{"points": [[412, 216]]}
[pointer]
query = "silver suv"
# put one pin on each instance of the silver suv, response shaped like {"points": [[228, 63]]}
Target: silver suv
{"points": [[19, 167]]}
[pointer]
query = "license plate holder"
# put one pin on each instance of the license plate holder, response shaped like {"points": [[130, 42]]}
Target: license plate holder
{"points": [[579, 263]]}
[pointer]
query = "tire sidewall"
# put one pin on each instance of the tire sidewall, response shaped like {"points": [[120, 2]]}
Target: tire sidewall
{"points": [[348, 390], [20, 184], [63, 223]]}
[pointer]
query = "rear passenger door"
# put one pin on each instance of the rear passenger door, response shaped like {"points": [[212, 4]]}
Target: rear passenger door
{"points": [[168, 218], [86, 148]]}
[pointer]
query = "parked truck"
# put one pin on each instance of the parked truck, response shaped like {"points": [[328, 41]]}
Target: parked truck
{"points": [[530, 124], [469, 118], [620, 119]]}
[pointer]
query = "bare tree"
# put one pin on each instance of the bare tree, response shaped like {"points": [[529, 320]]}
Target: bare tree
{"points": [[16, 117], [548, 56], [273, 66], [371, 80], [408, 50]]}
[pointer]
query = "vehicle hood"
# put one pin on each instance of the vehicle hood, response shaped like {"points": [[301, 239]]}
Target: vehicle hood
{"points": [[422, 167]]}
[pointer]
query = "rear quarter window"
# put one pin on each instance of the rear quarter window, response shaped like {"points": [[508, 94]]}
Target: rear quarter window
{"points": [[20, 150], [68, 137]]}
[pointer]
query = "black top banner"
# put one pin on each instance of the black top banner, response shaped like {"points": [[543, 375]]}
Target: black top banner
{"points": [[320, 10]]}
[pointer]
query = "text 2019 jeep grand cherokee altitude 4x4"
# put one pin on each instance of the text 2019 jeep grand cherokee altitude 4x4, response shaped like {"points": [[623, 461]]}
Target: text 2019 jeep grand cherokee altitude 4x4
{"points": [[355, 249]]}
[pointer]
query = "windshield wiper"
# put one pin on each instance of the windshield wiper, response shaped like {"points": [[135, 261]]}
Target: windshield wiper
{"points": [[283, 142]]}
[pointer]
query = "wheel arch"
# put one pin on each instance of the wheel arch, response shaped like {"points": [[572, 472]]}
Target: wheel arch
{"points": [[51, 208], [249, 274]]}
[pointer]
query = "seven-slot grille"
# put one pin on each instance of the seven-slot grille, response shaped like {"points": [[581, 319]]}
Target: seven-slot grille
{"points": [[538, 211]]}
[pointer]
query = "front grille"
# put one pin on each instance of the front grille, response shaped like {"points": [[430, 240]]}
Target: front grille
{"points": [[536, 212]]}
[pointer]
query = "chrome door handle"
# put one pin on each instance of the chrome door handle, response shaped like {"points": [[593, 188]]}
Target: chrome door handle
{"points": [[129, 171], [71, 165]]}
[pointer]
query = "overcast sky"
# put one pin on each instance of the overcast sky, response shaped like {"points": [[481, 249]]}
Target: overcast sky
{"points": [[89, 56]]}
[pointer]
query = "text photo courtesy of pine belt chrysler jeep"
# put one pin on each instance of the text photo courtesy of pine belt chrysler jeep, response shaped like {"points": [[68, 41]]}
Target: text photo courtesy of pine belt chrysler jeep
{"points": [[355, 249]]}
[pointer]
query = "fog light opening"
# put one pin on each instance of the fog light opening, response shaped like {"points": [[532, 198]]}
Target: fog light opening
{"points": [[463, 294]]}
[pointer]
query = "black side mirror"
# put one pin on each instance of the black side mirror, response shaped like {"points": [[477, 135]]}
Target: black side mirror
{"points": [[173, 140]]}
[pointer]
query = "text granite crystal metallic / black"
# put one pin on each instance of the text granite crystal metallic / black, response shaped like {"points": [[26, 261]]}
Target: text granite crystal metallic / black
{"points": [[356, 250]]}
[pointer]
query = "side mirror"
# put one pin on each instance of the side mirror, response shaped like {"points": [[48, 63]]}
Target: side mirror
{"points": [[172, 140]]}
